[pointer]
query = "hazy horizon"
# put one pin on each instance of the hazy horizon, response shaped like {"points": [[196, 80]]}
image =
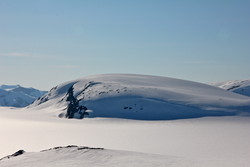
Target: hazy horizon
{"points": [[46, 42]]}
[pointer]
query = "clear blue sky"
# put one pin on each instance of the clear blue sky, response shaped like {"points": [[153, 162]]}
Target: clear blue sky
{"points": [[46, 42]]}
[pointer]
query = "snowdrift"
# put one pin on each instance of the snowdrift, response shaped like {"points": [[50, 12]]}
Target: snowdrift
{"points": [[140, 97]]}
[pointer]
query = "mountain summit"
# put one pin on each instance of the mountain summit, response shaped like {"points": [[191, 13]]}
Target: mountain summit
{"points": [[140, 97], [237, 86], [18, 96]]}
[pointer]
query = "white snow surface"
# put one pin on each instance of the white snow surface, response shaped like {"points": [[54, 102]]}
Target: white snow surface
{"points": [[84, 157], [18, 96], [144, 97], [238, 86], [164, 141], [203, 142]]}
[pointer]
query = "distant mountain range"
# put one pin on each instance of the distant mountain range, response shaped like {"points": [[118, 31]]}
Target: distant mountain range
{"points": [[18, 96], [237, 86]]}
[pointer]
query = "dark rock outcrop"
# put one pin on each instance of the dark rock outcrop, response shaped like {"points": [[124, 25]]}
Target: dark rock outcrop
{"points": [[19, 152], [73, 146], [73, 107]]}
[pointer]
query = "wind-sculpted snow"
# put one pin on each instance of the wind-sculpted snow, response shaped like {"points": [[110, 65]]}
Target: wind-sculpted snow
{"points": [[140, 97], [71, 156], [238, 86], [17, 96]]}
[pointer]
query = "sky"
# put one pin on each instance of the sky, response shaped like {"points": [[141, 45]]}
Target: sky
{"points": [[46, 42]]}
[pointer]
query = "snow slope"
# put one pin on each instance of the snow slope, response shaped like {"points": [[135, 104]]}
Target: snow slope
{"points": [[72, 156], [139, 97], [201, 142], [238, 86], [17, 96]]}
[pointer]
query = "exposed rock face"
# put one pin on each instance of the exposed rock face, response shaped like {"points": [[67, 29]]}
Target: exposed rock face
{"points": [[73, 108], [73, 146], [19, 152]]}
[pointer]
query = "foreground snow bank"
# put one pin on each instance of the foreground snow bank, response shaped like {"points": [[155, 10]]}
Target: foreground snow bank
{"points": [[72, 156], [203, 142]]}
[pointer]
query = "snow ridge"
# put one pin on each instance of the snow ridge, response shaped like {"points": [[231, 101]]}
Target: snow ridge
{"points": [[140, 97], [86, 156]]}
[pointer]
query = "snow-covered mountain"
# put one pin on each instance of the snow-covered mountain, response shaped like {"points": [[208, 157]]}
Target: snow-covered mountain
{"points": [[139, 97], [18, 96], [238, 86]]}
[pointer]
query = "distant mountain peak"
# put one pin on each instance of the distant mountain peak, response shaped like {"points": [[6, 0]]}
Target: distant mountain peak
{"points": [[237, 86], [18, 96], [7, 87]]}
